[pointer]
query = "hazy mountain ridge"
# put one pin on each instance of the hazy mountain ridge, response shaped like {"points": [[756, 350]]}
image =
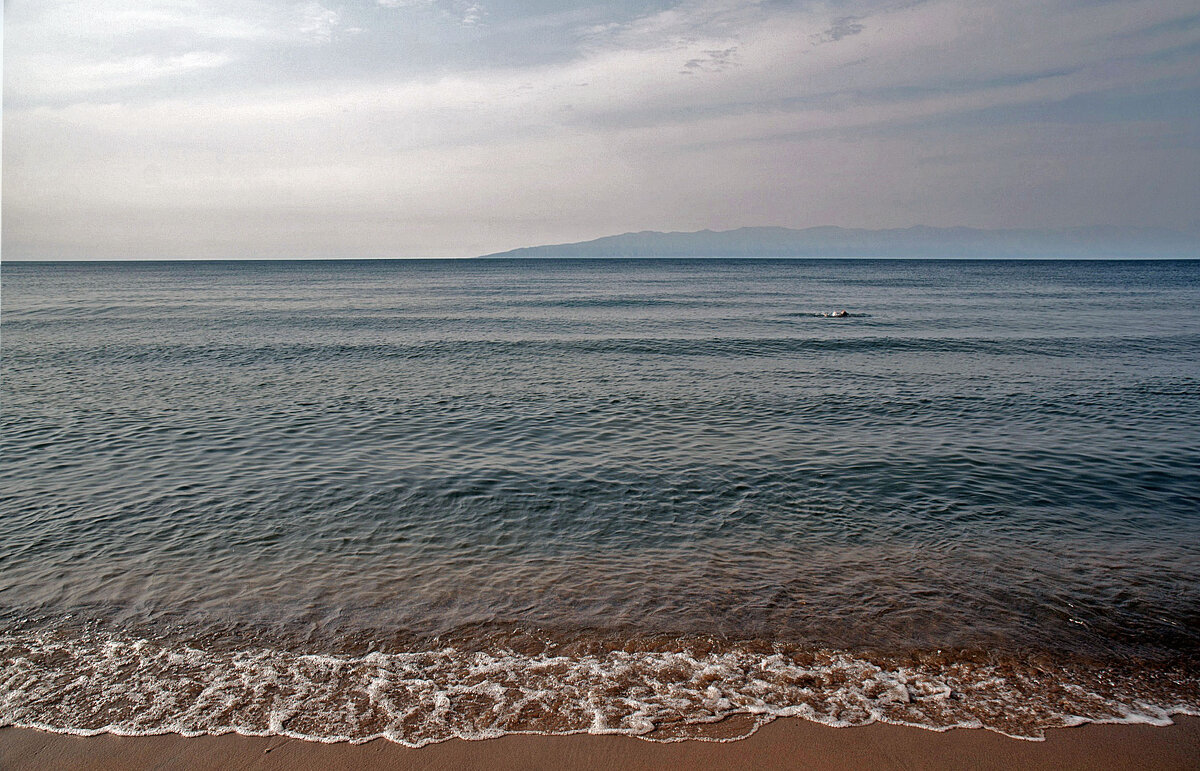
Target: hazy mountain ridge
{"points": [[917, 241]]}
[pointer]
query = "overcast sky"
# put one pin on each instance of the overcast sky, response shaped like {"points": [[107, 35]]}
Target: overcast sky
{"points": [[450, 128]]}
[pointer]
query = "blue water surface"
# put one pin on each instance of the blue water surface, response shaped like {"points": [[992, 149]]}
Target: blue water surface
{"points": [[998, 454]]}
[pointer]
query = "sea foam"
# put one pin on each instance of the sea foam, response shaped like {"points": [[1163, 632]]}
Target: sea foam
{"points": [[100, 682]]}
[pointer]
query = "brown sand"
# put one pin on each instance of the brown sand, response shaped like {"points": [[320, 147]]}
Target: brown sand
{"points": [[782, 744]]}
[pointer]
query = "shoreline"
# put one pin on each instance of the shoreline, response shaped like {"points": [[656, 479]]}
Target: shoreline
{"points": [[783, 743]]}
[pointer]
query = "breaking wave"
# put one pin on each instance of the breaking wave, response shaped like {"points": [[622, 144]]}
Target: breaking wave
{"points": [[102, 682]]}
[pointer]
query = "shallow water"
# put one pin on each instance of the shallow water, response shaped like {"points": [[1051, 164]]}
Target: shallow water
{"points": [[672, 485]]}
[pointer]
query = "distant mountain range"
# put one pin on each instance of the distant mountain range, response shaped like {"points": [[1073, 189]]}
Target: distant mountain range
{"points": [[919, 241]]}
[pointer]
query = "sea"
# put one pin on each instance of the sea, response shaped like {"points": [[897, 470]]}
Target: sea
{"points": [[341, 500]]}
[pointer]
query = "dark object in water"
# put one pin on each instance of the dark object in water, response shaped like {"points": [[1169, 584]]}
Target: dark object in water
{"points": [[838, 314]]}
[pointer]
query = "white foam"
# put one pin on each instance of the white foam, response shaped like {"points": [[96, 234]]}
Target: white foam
{"points": [[106, 683]]}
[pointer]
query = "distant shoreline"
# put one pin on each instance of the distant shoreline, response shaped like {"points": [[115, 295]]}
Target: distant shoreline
{"points": [[918, 242]]}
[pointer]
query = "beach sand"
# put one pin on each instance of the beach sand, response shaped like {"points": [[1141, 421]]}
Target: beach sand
{"points": [[781, 744]]}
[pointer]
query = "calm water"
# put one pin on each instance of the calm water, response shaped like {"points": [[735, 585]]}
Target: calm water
{"points": [[430, 499]]}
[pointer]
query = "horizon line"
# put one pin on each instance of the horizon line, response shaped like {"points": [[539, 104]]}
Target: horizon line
{"points": [[502, 256]]}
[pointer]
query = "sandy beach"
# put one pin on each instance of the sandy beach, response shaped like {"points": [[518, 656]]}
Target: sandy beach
{"points": [[782, 744]]}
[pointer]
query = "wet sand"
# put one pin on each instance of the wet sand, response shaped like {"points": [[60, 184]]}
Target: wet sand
{"points": [[782, 744]]}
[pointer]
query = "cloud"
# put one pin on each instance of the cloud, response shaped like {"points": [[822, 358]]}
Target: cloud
{"points": [[464, 11], [711, 61], [127, 71], [60, 51], [441, 138], [842, 27], [318, 23]]}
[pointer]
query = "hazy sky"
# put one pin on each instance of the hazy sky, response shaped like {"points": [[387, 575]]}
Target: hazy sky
{"points": [[135, 128]]}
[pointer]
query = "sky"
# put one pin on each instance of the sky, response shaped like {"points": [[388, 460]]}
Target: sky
{"points": [[450, 128]]}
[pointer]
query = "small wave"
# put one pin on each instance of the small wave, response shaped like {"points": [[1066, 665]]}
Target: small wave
{"points": [[295, 353], [101, 682]]}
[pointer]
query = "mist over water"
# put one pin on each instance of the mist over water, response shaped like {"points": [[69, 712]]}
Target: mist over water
{"points": [[621, 483]]}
